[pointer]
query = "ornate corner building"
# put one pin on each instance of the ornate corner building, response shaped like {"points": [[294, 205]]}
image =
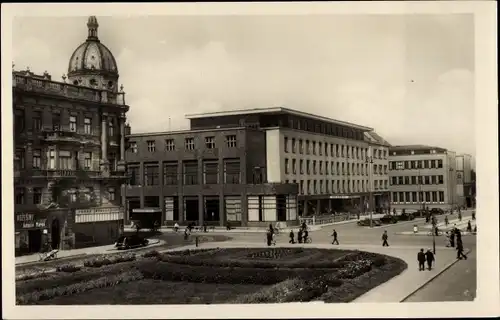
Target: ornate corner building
{"points": [[69, 139]]}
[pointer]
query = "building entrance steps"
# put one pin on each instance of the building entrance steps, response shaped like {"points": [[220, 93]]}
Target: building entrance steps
{"points": [[81, 252], [396, 289]]}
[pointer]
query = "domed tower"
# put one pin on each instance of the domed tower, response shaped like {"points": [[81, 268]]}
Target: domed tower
{"points": [[92, 64]]}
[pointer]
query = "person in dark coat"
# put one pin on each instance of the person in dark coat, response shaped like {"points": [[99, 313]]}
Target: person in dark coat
{"points": [[269, 237], [469, 227], [305, 236], [292, 236], [421, 260], [452, 238], [334, 234], [299, 235], [460, 250], [429, 256], [458, 235], [271, 229], [385, 237]]}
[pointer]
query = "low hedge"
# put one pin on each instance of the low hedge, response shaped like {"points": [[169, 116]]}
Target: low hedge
{"points": [[232, 275], [108, 260], [192, 252], [76, 288], [151, 254], [68, 268], [32, 276], [65, 279]]}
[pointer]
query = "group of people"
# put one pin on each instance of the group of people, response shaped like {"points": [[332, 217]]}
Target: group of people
{"points": [[302, 235], [454, 239], [423, 257]]}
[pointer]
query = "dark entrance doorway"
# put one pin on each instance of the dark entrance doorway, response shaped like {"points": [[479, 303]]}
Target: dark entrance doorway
{"points": [[191, 209], [281, 207], [132, 203], [212, 213], [34, 240], [55, 234]]}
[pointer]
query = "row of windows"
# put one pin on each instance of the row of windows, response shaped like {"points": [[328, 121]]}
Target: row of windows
{"points": [[37, 120], [189, 144], [416, 164], [418, 197], [20, 195], [210, 173], [337, 186], [320, 148], [417, 180], [68, 160], [331, 167]]}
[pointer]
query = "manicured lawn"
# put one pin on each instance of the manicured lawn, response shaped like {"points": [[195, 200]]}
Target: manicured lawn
{"points": [[148, 291], [237, 275]]}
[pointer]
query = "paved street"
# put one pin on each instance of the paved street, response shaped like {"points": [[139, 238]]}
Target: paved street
{"points": [[458, 283]]}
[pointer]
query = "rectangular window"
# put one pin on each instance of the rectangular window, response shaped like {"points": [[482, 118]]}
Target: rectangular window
{"points": [[56, 122], [232, 172], [427, 196], [151, 146], [72, 123], [233, 208], [301, 166], [19, 195], [407, 165], [19, 121], [433, 179], [190, 170], [37, 121], [307, 147], [308, 167], [314, 167], [407, 180], [426, 164], [326, 167], [302, 186], [320, 148], [210, 142], [440, 164], [401, 196], [314, 147], [87, 125], [286, 166], [65, 161], [400, 180], [394, 197], [326, 151], [433, 164], [399, 165], [301, 146], [440, 179], [315, 187], [189, 143], [37, 159], [394, 181], [441, 196], [320, 167], [151, 175], [210, 172], [413, 180], [286, 144], [20, 160], [134, 175], [427, 180], [231, 141], [37, 195], [52, 159], [407, 197], [294, 166], [320, 186], [111, 194], [434, 196], [87, 161], [170, 176], [169, 145], [414, 197], [294, 147]]}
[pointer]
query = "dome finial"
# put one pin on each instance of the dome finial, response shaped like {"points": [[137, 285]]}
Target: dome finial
{"points": [[92, 25]]}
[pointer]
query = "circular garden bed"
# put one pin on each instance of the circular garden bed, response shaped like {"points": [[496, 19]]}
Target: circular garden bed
{"points": [[235, 275]]}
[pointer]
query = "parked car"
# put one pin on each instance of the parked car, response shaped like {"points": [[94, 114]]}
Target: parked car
{"points": [[437, 211], [366, 222], [406, 217], [129, 242], [420, 213], [389, 219]]}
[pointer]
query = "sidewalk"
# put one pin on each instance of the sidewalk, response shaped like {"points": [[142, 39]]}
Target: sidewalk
{"points": [[394, 290], [108, 249]]}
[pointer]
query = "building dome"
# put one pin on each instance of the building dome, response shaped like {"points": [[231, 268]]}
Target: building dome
{"points": [[92, 64]]}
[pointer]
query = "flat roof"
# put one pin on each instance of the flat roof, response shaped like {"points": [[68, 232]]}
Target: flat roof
{"points": [[163, 133], [415, 147], [274, 110]]}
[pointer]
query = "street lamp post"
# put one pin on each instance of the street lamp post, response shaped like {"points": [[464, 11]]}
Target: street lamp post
{"points": [[369, 160]]}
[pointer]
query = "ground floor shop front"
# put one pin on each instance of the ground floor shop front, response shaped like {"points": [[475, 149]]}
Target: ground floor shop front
{"points": [[253, 206], [64, 229], [309, 205]]}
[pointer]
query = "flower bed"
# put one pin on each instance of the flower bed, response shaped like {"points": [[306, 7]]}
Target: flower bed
{"points": [[68, 268], [275, 253], [177, 272], [107, 260], [151, 254], [75, 288]]}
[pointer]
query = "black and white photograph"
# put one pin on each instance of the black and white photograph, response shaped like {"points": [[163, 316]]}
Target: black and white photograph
{"points": [[227, 156]]}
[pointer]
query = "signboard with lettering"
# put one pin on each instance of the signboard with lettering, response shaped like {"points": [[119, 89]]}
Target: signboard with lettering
{"points": [[30, 221]]}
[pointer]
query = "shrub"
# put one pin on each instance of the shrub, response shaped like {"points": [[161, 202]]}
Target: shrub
{"points": [[106, 281], [32, 276], [379, 261], [107, 260], [355, 269], [192, 252], [151, 254], [68, 268], [232, 275]]}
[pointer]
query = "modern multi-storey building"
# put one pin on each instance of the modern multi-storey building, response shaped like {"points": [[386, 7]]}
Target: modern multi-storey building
{"points": [[422, 176], [69, 161], [465, 190], [256, 160]]}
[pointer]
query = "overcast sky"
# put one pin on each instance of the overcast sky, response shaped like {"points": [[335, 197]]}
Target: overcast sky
{"points": [[410, 77]]}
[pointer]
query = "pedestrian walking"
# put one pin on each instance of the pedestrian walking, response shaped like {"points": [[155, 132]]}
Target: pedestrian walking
{"points": [[415, 228], [469, 227], [306, 235], [186, 233], [292, 237], [299, 236], [446, 220], [429, 256], [269, 237], [421, 260], [460, 250], [385, 237], [335, 239], [459, 216], [447, 239], [473, 215]]}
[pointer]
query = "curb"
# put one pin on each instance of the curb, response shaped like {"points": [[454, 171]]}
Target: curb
{"points": [[434, 277], [429, 235], [393, 224], [27, 264]]}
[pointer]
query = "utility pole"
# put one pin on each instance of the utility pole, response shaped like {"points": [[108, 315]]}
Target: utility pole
{"points": [[369, 161]]}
